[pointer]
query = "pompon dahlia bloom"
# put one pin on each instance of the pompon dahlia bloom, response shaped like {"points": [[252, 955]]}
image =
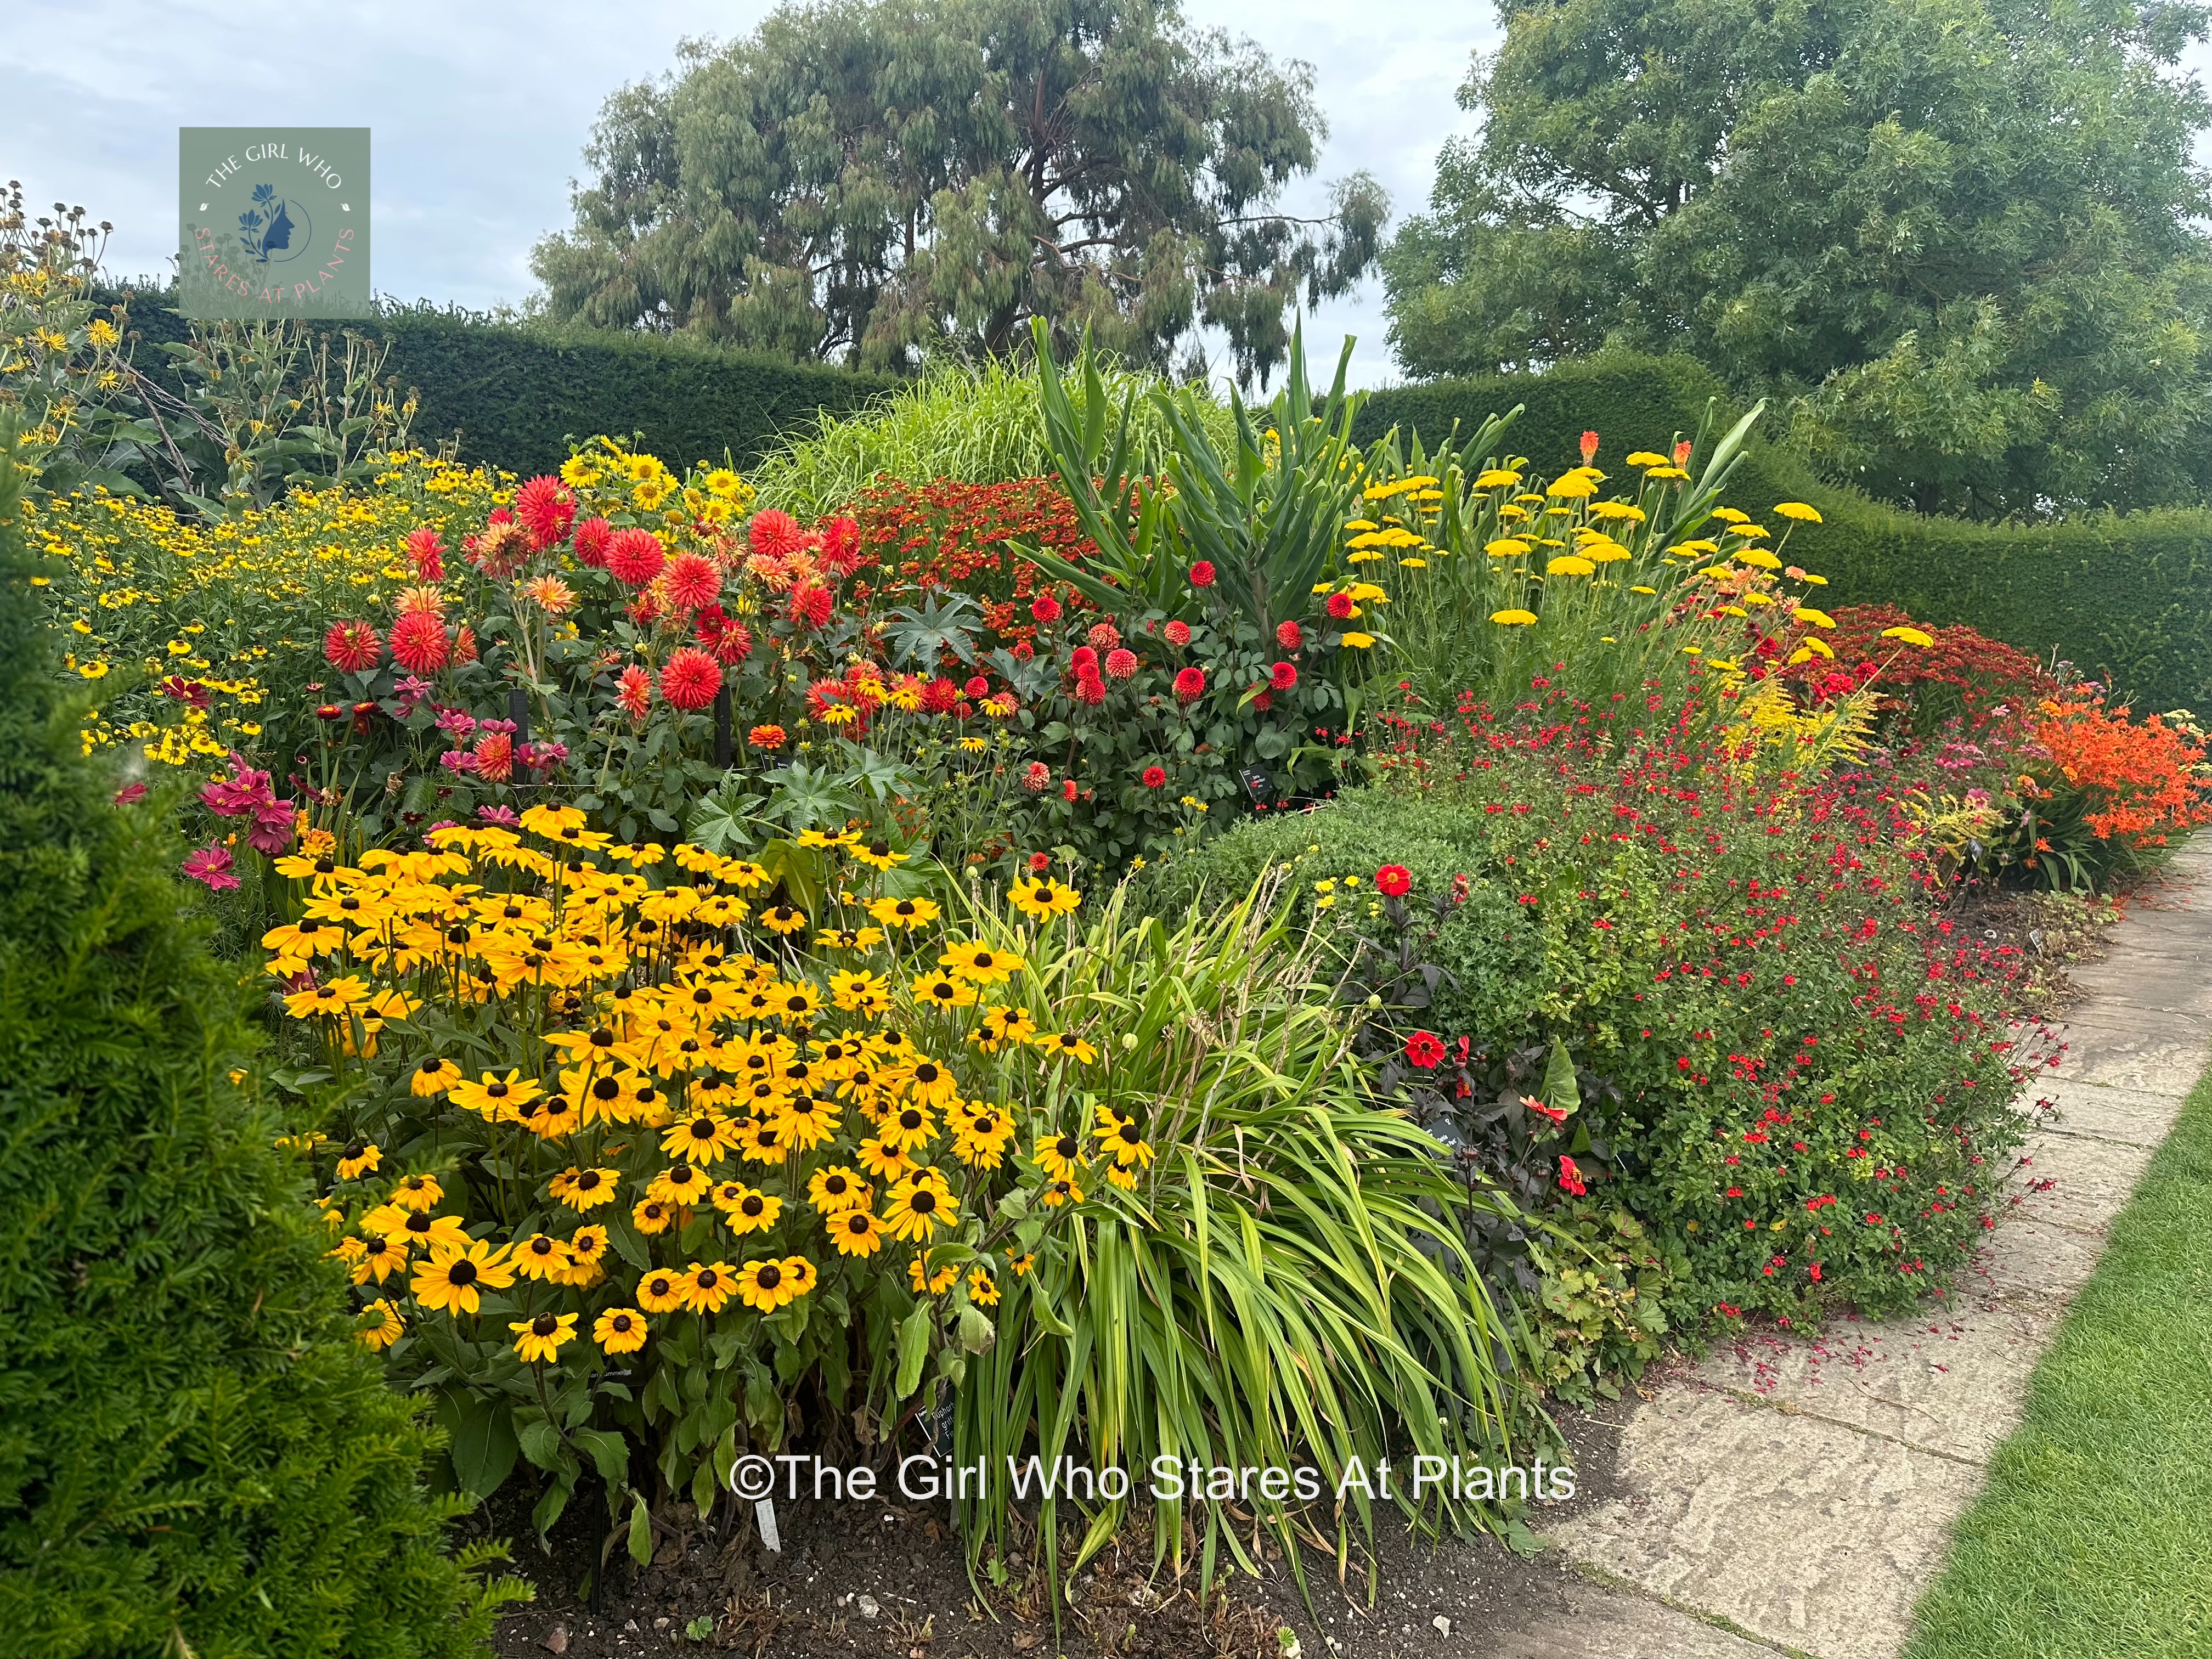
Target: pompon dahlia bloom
{"points": [[1089, 689], [1084, 660], [633, 692], [1044, 608], [353, 647], [1120, 663], [1339, 606], [1201, 574], [775, 534], [1283, 676], [593, 537], [547, 509], [1102, 636], [1178, 633], [1156, 777], [690, 678], [419, 643], [1190, 684], [977, 686], [1036, 777], [635, 556], [426, 554], [1289, 635], [692, 581]]}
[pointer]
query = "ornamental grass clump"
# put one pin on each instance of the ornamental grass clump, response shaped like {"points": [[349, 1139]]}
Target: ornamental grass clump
{"points": [[196, 1455]]}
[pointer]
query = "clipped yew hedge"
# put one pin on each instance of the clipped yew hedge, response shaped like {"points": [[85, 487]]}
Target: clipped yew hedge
{"points": [[2126, 598]]}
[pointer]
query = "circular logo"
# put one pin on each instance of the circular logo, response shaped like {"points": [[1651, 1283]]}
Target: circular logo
{"points": [[275, 229]]}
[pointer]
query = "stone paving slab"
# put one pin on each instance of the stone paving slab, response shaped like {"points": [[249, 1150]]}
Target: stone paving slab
{"points": [[2032, 1259], [2151, 1060], [1950, 1383], [1804, 1532], [2089, 1179], [1607, 1624], [2109, 1113]]}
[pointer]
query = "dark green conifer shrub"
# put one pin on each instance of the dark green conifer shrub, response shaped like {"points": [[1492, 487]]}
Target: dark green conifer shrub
{"points": [[197, 1460]]}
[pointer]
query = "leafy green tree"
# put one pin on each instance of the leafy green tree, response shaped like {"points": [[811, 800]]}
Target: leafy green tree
{"points": [[1963, 237], [871, 179], [197, 1458]]}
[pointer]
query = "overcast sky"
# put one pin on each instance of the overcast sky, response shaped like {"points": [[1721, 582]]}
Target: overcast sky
{"points": [[480, 112]]}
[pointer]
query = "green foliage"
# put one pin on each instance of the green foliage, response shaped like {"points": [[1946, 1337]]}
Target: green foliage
{"points": [[1275, 1292], [874, 180], [976, 425], [2117, 595], [516, 394], [195, 1456], [1968, 234]]}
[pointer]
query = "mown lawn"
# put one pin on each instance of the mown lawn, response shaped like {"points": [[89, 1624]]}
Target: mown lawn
{"points": [[2094, 1535]]}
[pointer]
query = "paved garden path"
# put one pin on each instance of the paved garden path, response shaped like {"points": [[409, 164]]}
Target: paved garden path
{"points": [[1795, 1496]]}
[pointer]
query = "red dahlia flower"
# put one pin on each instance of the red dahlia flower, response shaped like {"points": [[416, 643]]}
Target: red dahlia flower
{"points": [[809, 605], [593, 537], [1571, 1178], [1425, 1050], [353, 647], [690, 678], [1178, 632], [1089, 689], [1045, 608], [426, 554], [418, 642], [1394, 881], [633, 692], [1201, 574], [1103, 636], [1190, 684], [1036, 777], [1156, 777], [977, 686], [1289, 635], [547, 509], [692, 581], [1120, 663], [775, 533], [1283, 676], [938, 696], [1084, 660], [1067, 789], [635, 557], [1340, 605]]}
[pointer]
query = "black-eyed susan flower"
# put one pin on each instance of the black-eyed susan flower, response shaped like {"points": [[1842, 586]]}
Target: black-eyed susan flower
{"points": [[1054, 1194], [700, 1137], [1019, 1263], [799, 1275], [586, 1190], [620, 1330], [660, 1291], [854, 1232], [494, 1097], [911, 1126], [749, 1210], [653, 1216], [1064, 1045], [378, 1325], [417, 1192], [925, 1081], [763, 1141], [540, 1339], [783, 919], [808, 1121], [849, 939], [885, 1162], [1060, 1157], [432, 1077], [453, 1280], [795, 1004], [379, 1258], [1121, 1139], [761, 1285], [359, 1159], [540, 1257], [980, 1133], [835, 1187], [980, 963], [742, 874], [876, 852], [928, 1283], [684, 1183], [860, 992], [982, 1289], [907, 913], [942, 991], [917, 1204], [587, 1245], [1000, 1025], [416, 1229], [1119, 1175]]}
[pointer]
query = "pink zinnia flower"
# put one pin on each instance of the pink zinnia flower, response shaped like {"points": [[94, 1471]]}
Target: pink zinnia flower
{"points": [[353, 647], [210, 868], [690, 679]]}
